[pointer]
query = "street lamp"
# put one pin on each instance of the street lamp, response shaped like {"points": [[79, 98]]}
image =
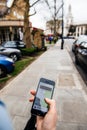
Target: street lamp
{"points": [[62, 40], [54, 17]]}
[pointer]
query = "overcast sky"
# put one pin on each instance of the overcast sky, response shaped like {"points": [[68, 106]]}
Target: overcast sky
{"points": [[79, 11]]}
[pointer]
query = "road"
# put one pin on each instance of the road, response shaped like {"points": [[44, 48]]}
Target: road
{"points": [[68, 43]]}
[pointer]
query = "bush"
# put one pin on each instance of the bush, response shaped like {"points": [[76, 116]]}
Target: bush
{"points": [[28, 51]]}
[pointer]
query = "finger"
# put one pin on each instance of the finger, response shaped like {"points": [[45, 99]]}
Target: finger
{"points": [[33, 92], [31, 99], [51, 103]]}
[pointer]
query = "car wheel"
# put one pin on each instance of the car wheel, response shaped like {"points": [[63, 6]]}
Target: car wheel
{"points": [[14, 57], [3, 71]]}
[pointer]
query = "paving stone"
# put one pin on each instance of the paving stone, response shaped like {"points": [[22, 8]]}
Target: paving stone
{"points": [[68, 94], [16, 105], [74, 112], [66, 80], [69, 126], [19, 122]]}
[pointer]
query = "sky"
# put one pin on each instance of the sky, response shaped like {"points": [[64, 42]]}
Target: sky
{"points": [[79, 12], [79, 9], [9, 2]]}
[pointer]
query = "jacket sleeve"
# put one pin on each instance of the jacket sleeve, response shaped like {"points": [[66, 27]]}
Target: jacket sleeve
{"points": [[5, 121]]}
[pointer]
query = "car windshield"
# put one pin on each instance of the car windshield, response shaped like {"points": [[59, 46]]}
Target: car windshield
{"points": [[82, 39], [9, 44], [84, 44]]}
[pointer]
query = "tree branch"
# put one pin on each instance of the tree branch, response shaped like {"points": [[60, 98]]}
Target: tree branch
{"points": [[34, 3], [33, 13], [59, 8], [49, 7]]}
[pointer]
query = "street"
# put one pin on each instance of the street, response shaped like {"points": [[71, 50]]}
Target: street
{"points": [[68, 44]]}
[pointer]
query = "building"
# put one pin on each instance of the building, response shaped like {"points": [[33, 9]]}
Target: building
{"points": [[11, 26], [69, 20], [73, 28], [3, 7], [9, 29], [81, 29], [50, 27]]}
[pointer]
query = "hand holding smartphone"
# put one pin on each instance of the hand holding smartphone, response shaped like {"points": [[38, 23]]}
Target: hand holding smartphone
{"points": [[45, 90]]}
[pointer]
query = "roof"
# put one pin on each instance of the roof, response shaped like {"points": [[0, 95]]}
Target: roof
{"points": [[80, 23]]}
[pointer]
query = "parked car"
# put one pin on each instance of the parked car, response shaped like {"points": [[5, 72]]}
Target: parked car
{"points": [[78, 41], [81, 55], [15, 54], [68, 37], [6, 65], [14, 44]]}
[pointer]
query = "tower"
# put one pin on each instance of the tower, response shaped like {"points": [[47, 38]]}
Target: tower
{"points": [[69, 18]]}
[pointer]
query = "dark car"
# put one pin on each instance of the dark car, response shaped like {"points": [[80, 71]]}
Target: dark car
{"points": [[78, 41], [15, 54], [6, 65], [14, 44], [81, 55]]}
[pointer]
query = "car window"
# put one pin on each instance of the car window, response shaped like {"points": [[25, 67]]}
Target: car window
{"points": [[10, 44], [82, 39], [20, 44], [7, 44], [84, 44], [13, 43]]}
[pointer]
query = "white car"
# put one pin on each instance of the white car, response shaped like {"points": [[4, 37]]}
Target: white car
{"points": [[15, 54]]}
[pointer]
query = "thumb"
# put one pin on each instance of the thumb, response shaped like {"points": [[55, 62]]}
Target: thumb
{"points": [[51, 103]]}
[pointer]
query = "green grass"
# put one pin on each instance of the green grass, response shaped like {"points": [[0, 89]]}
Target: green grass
{"points": [[19, 67]]}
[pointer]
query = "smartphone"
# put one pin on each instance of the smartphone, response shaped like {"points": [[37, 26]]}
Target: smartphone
{"points": [[45, 89]]}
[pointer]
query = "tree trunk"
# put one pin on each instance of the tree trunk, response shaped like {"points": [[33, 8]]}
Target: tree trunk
{"points": [[27, 33]]}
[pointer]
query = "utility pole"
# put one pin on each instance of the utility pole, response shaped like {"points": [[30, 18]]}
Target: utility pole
{"points": [[62, 40], [54, 17]]}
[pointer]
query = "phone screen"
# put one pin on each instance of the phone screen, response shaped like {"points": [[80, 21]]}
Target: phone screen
{"points": [[44, 91]]}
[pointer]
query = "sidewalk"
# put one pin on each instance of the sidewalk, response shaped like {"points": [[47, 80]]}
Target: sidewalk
{"points": [[71, 99]]}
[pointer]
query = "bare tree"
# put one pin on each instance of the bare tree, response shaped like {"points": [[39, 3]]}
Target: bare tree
{"points": [[55, 12], [24, 6], [27, 33]]}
